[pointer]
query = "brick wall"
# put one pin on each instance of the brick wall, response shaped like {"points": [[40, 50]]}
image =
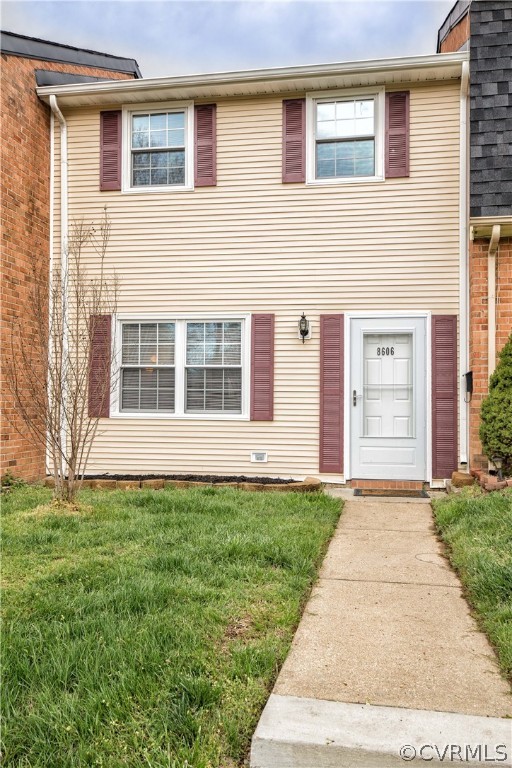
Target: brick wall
{"points": [[456, 37], [25, 159], [479, 328]]}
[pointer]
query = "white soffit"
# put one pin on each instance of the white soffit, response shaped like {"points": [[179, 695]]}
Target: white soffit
{"points": [[284, 80]]}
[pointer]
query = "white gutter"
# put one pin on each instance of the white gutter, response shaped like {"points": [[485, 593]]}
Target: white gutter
{"points": [[463, 263], [431, 62], [63, 240], [64, 178], [491, 298], [482, 225]]}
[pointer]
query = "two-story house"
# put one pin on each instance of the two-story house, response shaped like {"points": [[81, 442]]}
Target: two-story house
{"points": [[289, 246]]}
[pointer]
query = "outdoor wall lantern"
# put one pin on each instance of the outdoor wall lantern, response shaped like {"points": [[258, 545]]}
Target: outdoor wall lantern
{"points": [[498, 463], [304, 328]]}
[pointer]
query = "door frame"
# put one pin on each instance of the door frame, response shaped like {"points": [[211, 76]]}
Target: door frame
{"points": [[347, 411]]}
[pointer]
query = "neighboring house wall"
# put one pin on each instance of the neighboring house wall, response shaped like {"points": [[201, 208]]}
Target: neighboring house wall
{"points": [[490, 188], [488, 26], [456, 37], [25, 226], [252, 244]]}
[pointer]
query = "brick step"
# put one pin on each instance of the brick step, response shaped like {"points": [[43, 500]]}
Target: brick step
{"points": [[388, 485]]}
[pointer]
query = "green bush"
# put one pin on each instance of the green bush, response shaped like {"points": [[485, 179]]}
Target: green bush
{"points": [[496, 411]]}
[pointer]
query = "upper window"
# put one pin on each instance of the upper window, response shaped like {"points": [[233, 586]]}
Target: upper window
{"points": [[160, 149], [345, 140]]}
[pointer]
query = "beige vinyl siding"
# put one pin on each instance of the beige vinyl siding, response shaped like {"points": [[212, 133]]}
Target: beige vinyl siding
{"points": [[253, 244]]}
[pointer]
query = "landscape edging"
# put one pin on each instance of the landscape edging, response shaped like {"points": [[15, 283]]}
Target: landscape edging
{"points": [[308, 485], [490, 482]]}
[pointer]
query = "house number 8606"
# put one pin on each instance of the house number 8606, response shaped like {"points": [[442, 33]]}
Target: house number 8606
{"points": [[385, 351]]}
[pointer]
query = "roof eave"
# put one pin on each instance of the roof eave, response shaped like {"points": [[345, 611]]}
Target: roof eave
{"points": [[286, 79], [481, 226]]}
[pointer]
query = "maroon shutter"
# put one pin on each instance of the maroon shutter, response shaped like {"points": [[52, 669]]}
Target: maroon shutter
{"points": [[100, 329], [205, 168], [294, 140], [110, 150], [331, 393], [397, 134], [444, 395], [262, 368]]}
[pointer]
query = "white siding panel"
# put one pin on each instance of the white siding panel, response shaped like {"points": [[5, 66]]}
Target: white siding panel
{"points": [[253, 244]]}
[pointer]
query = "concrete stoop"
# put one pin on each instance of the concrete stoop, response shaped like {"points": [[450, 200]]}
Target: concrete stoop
{"points": [[298, 732]]}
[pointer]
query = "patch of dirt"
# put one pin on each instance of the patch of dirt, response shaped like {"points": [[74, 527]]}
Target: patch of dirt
{"points": [[237, 629], [57, 507], [196, 478]]}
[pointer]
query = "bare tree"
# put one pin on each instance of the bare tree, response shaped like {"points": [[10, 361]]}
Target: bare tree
{"points": [[51, 351]]}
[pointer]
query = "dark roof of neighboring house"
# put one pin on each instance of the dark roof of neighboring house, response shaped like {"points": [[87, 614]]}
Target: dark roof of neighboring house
{"points": [[49, 77], [491, 108], [44, 50], [458, 11]]}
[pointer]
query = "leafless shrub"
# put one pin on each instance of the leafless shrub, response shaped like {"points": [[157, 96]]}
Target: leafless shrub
{"points": [[47, 369]]}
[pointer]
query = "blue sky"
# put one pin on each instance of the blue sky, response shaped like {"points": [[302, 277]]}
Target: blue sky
{"points": [[180, 37]]}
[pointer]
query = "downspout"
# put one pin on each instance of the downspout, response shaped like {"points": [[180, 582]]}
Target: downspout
{"points": [[463, 262], [50, 275], [491, 298], [63, 243]]}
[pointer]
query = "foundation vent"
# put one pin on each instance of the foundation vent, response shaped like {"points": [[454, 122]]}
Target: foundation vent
{"points": [[260, 457]]}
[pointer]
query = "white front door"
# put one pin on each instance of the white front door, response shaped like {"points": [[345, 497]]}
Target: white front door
{"points": [[388, 398]]}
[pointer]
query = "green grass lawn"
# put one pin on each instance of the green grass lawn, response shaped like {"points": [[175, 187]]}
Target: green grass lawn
{"points": [[147, 629], [477, 528]]}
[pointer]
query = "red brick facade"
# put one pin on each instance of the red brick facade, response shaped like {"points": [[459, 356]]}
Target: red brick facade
{"points": [[478, 336], [25, 225]]}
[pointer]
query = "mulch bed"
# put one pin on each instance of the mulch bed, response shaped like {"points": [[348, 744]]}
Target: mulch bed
{"points": [[197, 478]]}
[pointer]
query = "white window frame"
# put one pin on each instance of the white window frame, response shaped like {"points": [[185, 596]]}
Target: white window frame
{"points": [[348, 94], [176, 106], [181, 321]]}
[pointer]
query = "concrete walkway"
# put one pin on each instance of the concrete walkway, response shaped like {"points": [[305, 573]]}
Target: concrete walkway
{"points": [[387, 654]]}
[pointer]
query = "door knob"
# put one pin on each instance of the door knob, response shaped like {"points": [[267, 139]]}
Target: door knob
{"points": [[354, 397]]}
